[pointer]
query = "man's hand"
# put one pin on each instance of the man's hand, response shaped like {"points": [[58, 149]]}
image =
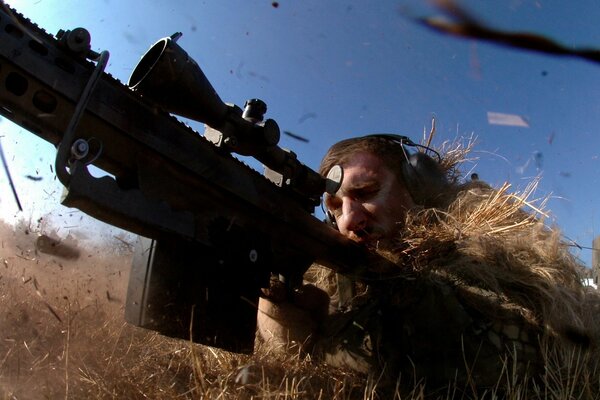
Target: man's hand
{"points": [[284, 321]]}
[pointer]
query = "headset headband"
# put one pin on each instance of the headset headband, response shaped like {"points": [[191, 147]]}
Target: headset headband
{"points": [[403, 141]]}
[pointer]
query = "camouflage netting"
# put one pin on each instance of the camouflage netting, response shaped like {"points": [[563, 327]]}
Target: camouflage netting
{"points": [[498, 241], [485, 239]]}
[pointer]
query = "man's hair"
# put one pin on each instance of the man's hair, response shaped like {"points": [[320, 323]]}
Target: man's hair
{"points": [[392, 154], [425, 179]]}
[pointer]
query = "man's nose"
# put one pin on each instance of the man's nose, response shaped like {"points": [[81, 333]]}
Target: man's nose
{"points": [[353, 218]]}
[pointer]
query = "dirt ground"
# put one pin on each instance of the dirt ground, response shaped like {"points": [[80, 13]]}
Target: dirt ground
{"points": [[58, 303]]}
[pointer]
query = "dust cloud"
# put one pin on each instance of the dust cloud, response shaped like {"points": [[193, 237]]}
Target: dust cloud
{"points": [[60, 306]]}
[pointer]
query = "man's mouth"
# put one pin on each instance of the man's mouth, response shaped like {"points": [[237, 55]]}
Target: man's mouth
{"points": [[368, 237], [374, 237]]}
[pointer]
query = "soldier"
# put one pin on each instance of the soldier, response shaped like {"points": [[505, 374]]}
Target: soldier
{"points": [[484, 285]]}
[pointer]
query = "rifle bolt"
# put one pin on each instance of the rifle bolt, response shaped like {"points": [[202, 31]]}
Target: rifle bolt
{"points": [[230, 141], [80, 149], [253, 255]]}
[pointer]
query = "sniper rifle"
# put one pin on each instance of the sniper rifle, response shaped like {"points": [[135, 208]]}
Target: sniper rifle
{"points": [[213, 231]]}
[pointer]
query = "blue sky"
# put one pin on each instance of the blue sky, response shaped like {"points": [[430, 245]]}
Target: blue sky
{"points": [[334, 69]]}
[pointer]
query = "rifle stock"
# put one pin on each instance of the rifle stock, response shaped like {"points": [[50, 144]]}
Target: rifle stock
{"points": [[213, 230]]}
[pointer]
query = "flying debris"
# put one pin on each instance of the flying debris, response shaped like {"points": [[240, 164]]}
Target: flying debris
{"points": [[66, 249], [496, 118], [10, 181], [538, 157], [34, 178], [459, 22], [297, 137], [307, 116]]}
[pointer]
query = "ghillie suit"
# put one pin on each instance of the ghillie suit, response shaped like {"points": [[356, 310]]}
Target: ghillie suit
{"points": [[484, 288]]}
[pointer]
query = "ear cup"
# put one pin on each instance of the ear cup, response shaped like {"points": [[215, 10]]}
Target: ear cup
{"points": [[425, 179]]}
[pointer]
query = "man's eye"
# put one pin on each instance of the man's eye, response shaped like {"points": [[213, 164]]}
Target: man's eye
{"points": [[366, 194], [336, 212]]}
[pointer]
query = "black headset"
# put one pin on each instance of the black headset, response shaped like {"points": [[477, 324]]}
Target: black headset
{"points": [[424, 176]]}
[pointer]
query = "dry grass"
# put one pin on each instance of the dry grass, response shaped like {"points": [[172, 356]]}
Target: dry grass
{"points": [[62, 337]]}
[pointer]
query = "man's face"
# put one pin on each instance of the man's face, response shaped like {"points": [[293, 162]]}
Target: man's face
{"points": [[370, 206]]}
